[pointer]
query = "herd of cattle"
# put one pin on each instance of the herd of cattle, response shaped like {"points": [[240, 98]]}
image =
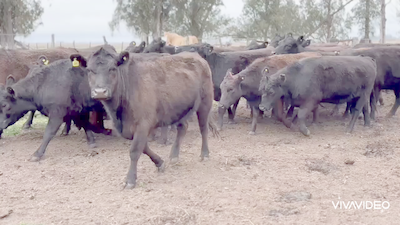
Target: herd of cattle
{"points": [[158, 85]]}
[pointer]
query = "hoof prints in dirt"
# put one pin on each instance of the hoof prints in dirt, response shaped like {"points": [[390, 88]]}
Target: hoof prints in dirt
{"points": [[284, 212], [320, 166], [378, 149], [295, 196]]}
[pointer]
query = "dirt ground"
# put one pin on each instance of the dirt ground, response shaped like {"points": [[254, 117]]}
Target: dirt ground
{"points": [[274, 177]]}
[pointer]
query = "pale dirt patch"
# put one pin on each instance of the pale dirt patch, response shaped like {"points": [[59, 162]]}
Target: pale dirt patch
{"points": [[273, 177]]}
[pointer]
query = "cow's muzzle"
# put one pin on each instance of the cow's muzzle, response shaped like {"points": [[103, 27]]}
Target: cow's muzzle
{"points": [[101, 93]]}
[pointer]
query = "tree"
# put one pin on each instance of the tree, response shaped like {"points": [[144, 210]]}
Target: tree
{"points": [[143, 17], [320, 19], [193, 17], [365, 12], [262, 19], [325, 20], [18, 17]]}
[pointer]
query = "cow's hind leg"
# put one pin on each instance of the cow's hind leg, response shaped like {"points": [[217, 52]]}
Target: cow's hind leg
{"points": [[67, 127], [51, 129], [396, 103], [256, 111], [164, 135], [1, 132], [302, 114], [28, 122], [359, 105], [181, 132], [202, 116], [232, 115]]}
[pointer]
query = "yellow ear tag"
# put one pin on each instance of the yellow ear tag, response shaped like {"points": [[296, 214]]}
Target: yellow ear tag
{"points": [[266, 70], [124, 58], [46, 62], [134, 43], [75, 63]]}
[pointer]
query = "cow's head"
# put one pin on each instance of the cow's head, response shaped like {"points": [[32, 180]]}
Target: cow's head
{"points": [[271, 89], [230, 89], [290, 46], [12, 108], [104, 71], [156, 45]]}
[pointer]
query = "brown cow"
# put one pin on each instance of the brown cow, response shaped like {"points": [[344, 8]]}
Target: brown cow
{"points": [[178, 40], [246, 84], [140, 96]]}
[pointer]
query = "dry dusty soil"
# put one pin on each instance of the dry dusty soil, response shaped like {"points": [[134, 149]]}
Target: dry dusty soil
{"points": [[274, 177]]}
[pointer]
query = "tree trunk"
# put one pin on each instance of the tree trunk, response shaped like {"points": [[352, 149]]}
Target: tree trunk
{"points": [[144, 37], [383, 21], [367, 20], [158, 18], [8, 24], [329, 23]]}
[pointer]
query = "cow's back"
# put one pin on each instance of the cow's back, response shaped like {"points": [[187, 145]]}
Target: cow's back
{"points": [[17, 62]]}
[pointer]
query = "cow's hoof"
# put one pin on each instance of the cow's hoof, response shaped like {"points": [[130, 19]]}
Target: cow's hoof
{"points": [[130, 186], [26, 127], [306, 132], [107, 131], [204, 159], [252, 133], [161, 168], [219, 128], [92, 145], [63, 134], [174, 160], [231, 122], [34, 159]]}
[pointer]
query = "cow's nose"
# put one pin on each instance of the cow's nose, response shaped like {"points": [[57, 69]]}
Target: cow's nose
{"points": [[221, 106], [262, 108], [100, 93]]}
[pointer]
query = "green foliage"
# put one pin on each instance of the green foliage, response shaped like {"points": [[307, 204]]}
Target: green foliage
{"points": [[25, 14], [193, 17], [263, 19], [363, 15], [185, 17]]}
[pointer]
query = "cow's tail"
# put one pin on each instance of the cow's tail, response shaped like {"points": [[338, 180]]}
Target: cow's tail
{"points": [[213, 126]]}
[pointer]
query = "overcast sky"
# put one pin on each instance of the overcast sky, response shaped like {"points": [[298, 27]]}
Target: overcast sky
{"points": [[87, 21]]}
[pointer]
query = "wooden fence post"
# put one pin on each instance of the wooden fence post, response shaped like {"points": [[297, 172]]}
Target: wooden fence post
{"points": [[53, 43]]}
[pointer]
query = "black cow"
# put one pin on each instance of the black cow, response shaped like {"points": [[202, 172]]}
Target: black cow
{"points": [[331, 79], [143, 95], [220, 63], [60, 91], [159, 46], [254, 45], [290, 46], [133, 48], [388, 71]]}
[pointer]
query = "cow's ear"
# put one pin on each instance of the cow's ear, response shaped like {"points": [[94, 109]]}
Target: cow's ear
{"points": [[266, 43], [123, 58], [10, 80], [244, 61], [42, 60], [290, 35], [78, 60], [308, 42], [133, 43], [300, 39], [143, 44]]}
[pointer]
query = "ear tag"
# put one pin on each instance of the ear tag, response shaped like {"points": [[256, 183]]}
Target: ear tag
{"points": [[124, 58], [45, 62], [75, 63]]}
